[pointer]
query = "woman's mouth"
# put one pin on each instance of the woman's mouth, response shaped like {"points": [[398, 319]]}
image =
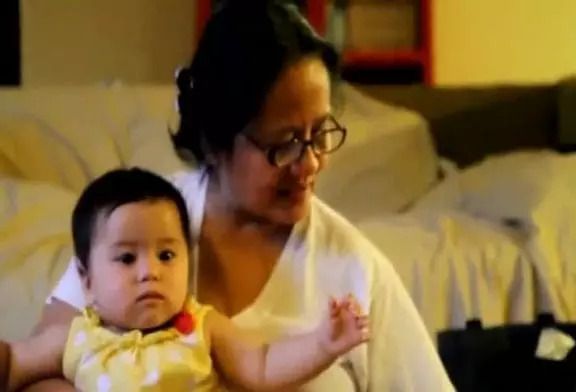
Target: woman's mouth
{"points": [[293, 195]]}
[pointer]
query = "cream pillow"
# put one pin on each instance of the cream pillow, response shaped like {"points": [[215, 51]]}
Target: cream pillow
{"points": [[35, 248], [86, 124], [151, 147], [32, 150]]}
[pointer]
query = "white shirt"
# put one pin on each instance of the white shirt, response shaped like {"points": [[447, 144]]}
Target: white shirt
{"points": [[326, 256]]}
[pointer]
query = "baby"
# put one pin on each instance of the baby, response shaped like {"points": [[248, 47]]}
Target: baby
{"points": [[142, 331]]}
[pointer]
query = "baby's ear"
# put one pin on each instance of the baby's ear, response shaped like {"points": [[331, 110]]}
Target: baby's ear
{"points": [[86, 282]]}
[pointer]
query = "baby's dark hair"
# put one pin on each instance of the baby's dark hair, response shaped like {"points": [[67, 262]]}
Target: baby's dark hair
{"points": [[115, 189], [244, 48]]}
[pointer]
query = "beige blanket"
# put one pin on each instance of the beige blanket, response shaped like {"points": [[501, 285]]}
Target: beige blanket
{"points": [[35, 247]]}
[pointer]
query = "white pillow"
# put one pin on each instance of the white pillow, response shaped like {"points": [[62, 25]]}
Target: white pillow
{"points": [[387, 163], [511, 186], [151, 147], [35, 247], [446, 195], [31, 149]]}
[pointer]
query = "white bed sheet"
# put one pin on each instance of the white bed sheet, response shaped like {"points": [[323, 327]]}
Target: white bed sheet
{"points": [[533, 193], [387, 163], [457, 267]]}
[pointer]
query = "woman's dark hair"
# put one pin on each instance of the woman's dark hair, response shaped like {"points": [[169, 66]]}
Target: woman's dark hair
{"points": [[115, 189], [244, 48]]}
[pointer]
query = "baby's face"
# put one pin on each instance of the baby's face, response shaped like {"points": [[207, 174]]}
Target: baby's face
{"points": [[138, 267]]}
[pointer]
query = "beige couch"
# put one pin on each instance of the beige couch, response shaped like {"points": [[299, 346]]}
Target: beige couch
{"points": [[53, 141]]}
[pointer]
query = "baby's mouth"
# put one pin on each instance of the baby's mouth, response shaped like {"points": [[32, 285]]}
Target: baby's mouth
{"points": [[150, 296]]}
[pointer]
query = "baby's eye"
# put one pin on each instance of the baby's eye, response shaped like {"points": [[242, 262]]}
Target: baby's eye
{"points": [[166, 255], [126, 258]]}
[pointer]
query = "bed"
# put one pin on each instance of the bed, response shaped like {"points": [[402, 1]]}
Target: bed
{"points": [[492, 240], [54, 140]]}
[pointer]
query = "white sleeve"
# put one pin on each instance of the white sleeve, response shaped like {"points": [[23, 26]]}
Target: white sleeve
{"points": [[69, 288], [402, 356]]}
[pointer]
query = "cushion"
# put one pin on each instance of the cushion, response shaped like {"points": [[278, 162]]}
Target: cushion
{"points": [[35, 220]]}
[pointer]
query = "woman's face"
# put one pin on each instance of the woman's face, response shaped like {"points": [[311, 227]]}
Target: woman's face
{"points": [[298, 106]]}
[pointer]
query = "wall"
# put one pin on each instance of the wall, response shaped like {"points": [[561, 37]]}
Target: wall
{"points": [[476, 41], [499, 41], [89, 41]]}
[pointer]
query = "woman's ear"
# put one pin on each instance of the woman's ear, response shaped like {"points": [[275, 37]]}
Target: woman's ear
{"points": [[210, 158]]}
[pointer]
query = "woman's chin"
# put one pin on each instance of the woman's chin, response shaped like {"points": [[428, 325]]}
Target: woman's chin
{"points": [[292, 213]]}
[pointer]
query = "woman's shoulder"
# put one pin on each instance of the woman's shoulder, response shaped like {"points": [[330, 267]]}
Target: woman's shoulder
{"points": [[192, 184], [188, 181]]}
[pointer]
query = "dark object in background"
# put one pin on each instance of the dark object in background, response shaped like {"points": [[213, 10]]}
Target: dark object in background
{"points": [[5, 353], [10, 60], [402, 75], [503, 359], [301, 4], [470, 123]]}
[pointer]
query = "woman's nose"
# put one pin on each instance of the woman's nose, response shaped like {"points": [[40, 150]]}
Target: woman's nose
{"points": [[307, 165]]}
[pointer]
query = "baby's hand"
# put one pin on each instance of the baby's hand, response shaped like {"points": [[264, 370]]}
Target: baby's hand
{"points": [[345, 327]]}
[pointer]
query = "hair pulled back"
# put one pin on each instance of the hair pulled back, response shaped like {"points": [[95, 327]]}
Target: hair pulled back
{"points": [[244, 48]]}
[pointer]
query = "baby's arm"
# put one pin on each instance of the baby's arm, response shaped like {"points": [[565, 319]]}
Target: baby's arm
{"points": [[286, 363], [36, 358]]}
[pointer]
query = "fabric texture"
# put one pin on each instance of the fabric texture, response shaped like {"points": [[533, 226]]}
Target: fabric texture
{"points": [[97, 359], [35, 247], [530, 194], [387, 163], [457, 267]]}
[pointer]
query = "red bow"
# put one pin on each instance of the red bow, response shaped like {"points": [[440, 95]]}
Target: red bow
{"points": [[184, 322]]}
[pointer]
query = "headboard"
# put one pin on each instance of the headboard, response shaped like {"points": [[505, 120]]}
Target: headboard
{"points": [[470, 123]]}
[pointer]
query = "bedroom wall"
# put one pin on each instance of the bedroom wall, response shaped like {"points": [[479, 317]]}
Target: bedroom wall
{"points": [[88, 41], [491, 41], [476, 41]]}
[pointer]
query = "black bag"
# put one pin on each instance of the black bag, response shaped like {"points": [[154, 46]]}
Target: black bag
{"points": [[504, 358]]}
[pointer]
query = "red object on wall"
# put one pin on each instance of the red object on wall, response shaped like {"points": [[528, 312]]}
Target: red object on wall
{"points": [[316, 13], [203, 12]]}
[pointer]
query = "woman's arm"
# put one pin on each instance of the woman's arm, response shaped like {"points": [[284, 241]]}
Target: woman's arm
{"points": [[402, 356], [37, 357], [57, 311], [290, 362]]}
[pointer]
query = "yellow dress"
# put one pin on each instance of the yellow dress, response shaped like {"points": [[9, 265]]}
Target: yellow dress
{"points": [[99, 360]]}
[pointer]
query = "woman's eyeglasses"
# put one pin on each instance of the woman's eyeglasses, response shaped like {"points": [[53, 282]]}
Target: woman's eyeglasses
{"points": [[324, 141]]}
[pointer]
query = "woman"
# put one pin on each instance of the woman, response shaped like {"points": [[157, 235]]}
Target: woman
{"points": [[255, 113]]}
